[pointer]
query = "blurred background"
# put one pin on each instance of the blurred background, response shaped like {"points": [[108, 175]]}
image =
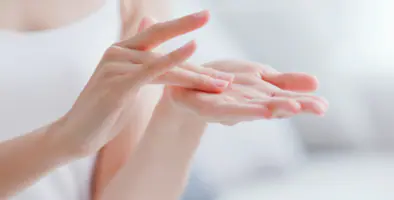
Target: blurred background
{"points": [[349, 153]]}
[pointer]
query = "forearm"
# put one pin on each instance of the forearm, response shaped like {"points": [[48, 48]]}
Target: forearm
{"points": [[25, 159], [159, 167], [118, 151]]}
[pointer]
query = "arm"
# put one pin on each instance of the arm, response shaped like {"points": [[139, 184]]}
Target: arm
{"points": [[116, 153], [159, 167], [93, 119], [41, 150]]}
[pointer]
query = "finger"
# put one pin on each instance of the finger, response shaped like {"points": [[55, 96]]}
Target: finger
{"points": [[274, 104], [185, 69], [242, 111], [291, 94], [292, 81], [202, 80], [161, 32], [145, 23], [137, 56], [117, 53], [192, 80], [208, 71], [177, 76], [165, 63], [312, 106], [243, 93]]}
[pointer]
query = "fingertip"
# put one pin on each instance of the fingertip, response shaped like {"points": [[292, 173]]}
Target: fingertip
{"points": [[192, 44], [189, 48], [313, 82], [202, 17], [325, 101], [293, 81], [295, 106], [313, 107], [145, 23], [204, 14], [320, 109], [286, 105]]}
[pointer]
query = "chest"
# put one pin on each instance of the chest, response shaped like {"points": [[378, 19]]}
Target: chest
{"points": [[36, 15]]}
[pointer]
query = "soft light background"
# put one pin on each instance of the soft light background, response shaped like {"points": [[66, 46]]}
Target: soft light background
{"points": [[349, 45]]}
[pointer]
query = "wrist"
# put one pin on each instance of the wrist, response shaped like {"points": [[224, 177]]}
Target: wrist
{"points": [[168, 110], [65, 148], [170, 121]]}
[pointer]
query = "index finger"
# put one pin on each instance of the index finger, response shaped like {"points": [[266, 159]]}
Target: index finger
{"points": [[162, 32]]}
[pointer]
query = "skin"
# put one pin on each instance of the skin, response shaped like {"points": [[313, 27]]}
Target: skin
{"points": [[158, 165], [85, 129]]}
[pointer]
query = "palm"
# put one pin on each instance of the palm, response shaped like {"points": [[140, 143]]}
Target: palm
{"points": [[257, 92]]}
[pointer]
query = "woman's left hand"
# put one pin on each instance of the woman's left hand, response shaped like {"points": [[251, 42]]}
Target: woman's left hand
{"points": [[257, 92]]}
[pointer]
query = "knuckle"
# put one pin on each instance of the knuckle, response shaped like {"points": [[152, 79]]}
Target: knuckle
{"points": [[111, 52]]}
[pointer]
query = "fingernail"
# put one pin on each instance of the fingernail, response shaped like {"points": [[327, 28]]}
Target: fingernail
{"points": [[320, 109], [296, 107], [325, 101], [201, 14], [220, 83], [225, 76]]}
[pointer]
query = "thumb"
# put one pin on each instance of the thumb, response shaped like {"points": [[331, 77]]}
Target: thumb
{"points": [[145, 23]]}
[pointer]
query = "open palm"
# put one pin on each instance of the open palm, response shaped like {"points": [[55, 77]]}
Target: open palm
{"points": [[257, 92]]}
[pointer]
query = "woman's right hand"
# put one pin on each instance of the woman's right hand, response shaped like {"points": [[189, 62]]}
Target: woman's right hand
{"points": [[92, 121]]}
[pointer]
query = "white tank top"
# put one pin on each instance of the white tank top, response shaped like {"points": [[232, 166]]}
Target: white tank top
{"points": [[41, 75]]}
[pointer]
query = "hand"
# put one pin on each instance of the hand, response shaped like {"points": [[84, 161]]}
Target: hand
{"points": [[152, 34], [257, 92], [94, 119]]}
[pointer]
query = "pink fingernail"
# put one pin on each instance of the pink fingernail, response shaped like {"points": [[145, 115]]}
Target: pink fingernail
{"points": [[220, 83], [225, 76], [320, 109], [201, 14]]}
